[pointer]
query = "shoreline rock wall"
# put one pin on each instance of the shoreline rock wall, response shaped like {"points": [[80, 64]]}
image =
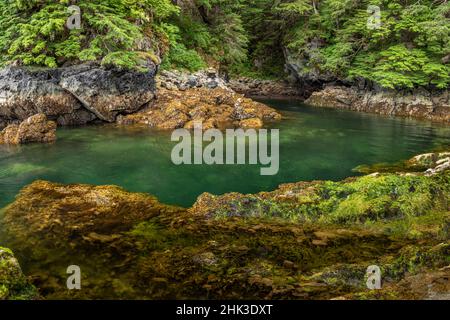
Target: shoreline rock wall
{"points": [[73, 95], [420, 105], [267, 88]]}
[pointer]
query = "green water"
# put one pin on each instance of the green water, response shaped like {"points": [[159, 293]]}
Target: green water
{"points": [[314, 144]]}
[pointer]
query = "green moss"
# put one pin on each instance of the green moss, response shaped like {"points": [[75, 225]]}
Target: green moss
{"points": [[361, 200], [13, 284]]}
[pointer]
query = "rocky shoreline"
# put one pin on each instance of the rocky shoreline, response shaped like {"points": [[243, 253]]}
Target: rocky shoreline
{"points": [[269, 89], [89, 93], [420, 105], [306, 240]]}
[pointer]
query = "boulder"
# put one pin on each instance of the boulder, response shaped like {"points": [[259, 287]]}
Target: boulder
{"points": [[25, 92], [176, 80], [34, 129], [107, 92]]}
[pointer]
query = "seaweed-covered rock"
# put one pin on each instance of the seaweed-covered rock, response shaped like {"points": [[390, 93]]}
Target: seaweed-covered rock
{"points": [[352, 201], [63, 213], [13, 284], [213, 107], [34, 129], [176, 80], [305, 240]]}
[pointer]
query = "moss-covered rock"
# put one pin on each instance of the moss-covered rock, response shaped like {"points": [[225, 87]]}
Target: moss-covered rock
{"points": [[13, 284], [431, 163], [356, 200]]}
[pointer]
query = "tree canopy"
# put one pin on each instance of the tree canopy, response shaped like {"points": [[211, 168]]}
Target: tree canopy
{"points": [[410, 47]]}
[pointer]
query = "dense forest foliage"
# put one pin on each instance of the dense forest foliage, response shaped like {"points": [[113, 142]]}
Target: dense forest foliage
{"points": [[409, 48]]}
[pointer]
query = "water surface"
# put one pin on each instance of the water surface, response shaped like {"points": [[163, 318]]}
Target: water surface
{"points": [[315, 143]]}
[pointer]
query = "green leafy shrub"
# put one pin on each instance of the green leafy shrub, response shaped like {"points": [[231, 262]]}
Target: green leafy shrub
{"points": [[34, 32]]}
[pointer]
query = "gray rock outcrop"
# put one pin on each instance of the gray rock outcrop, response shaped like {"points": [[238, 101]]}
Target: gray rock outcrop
{"points": [[73, 95], [421, 105]]}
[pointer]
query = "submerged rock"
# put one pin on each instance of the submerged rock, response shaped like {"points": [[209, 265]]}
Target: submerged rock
{"points": [[65, 213], [419, 105], [213, 107], [34, 129], [13, 284]]}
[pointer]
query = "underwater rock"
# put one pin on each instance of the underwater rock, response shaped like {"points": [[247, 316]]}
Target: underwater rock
{"points": [[435, 107], [34, 129], [13, 284], [65, 213], [213, 107]]}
